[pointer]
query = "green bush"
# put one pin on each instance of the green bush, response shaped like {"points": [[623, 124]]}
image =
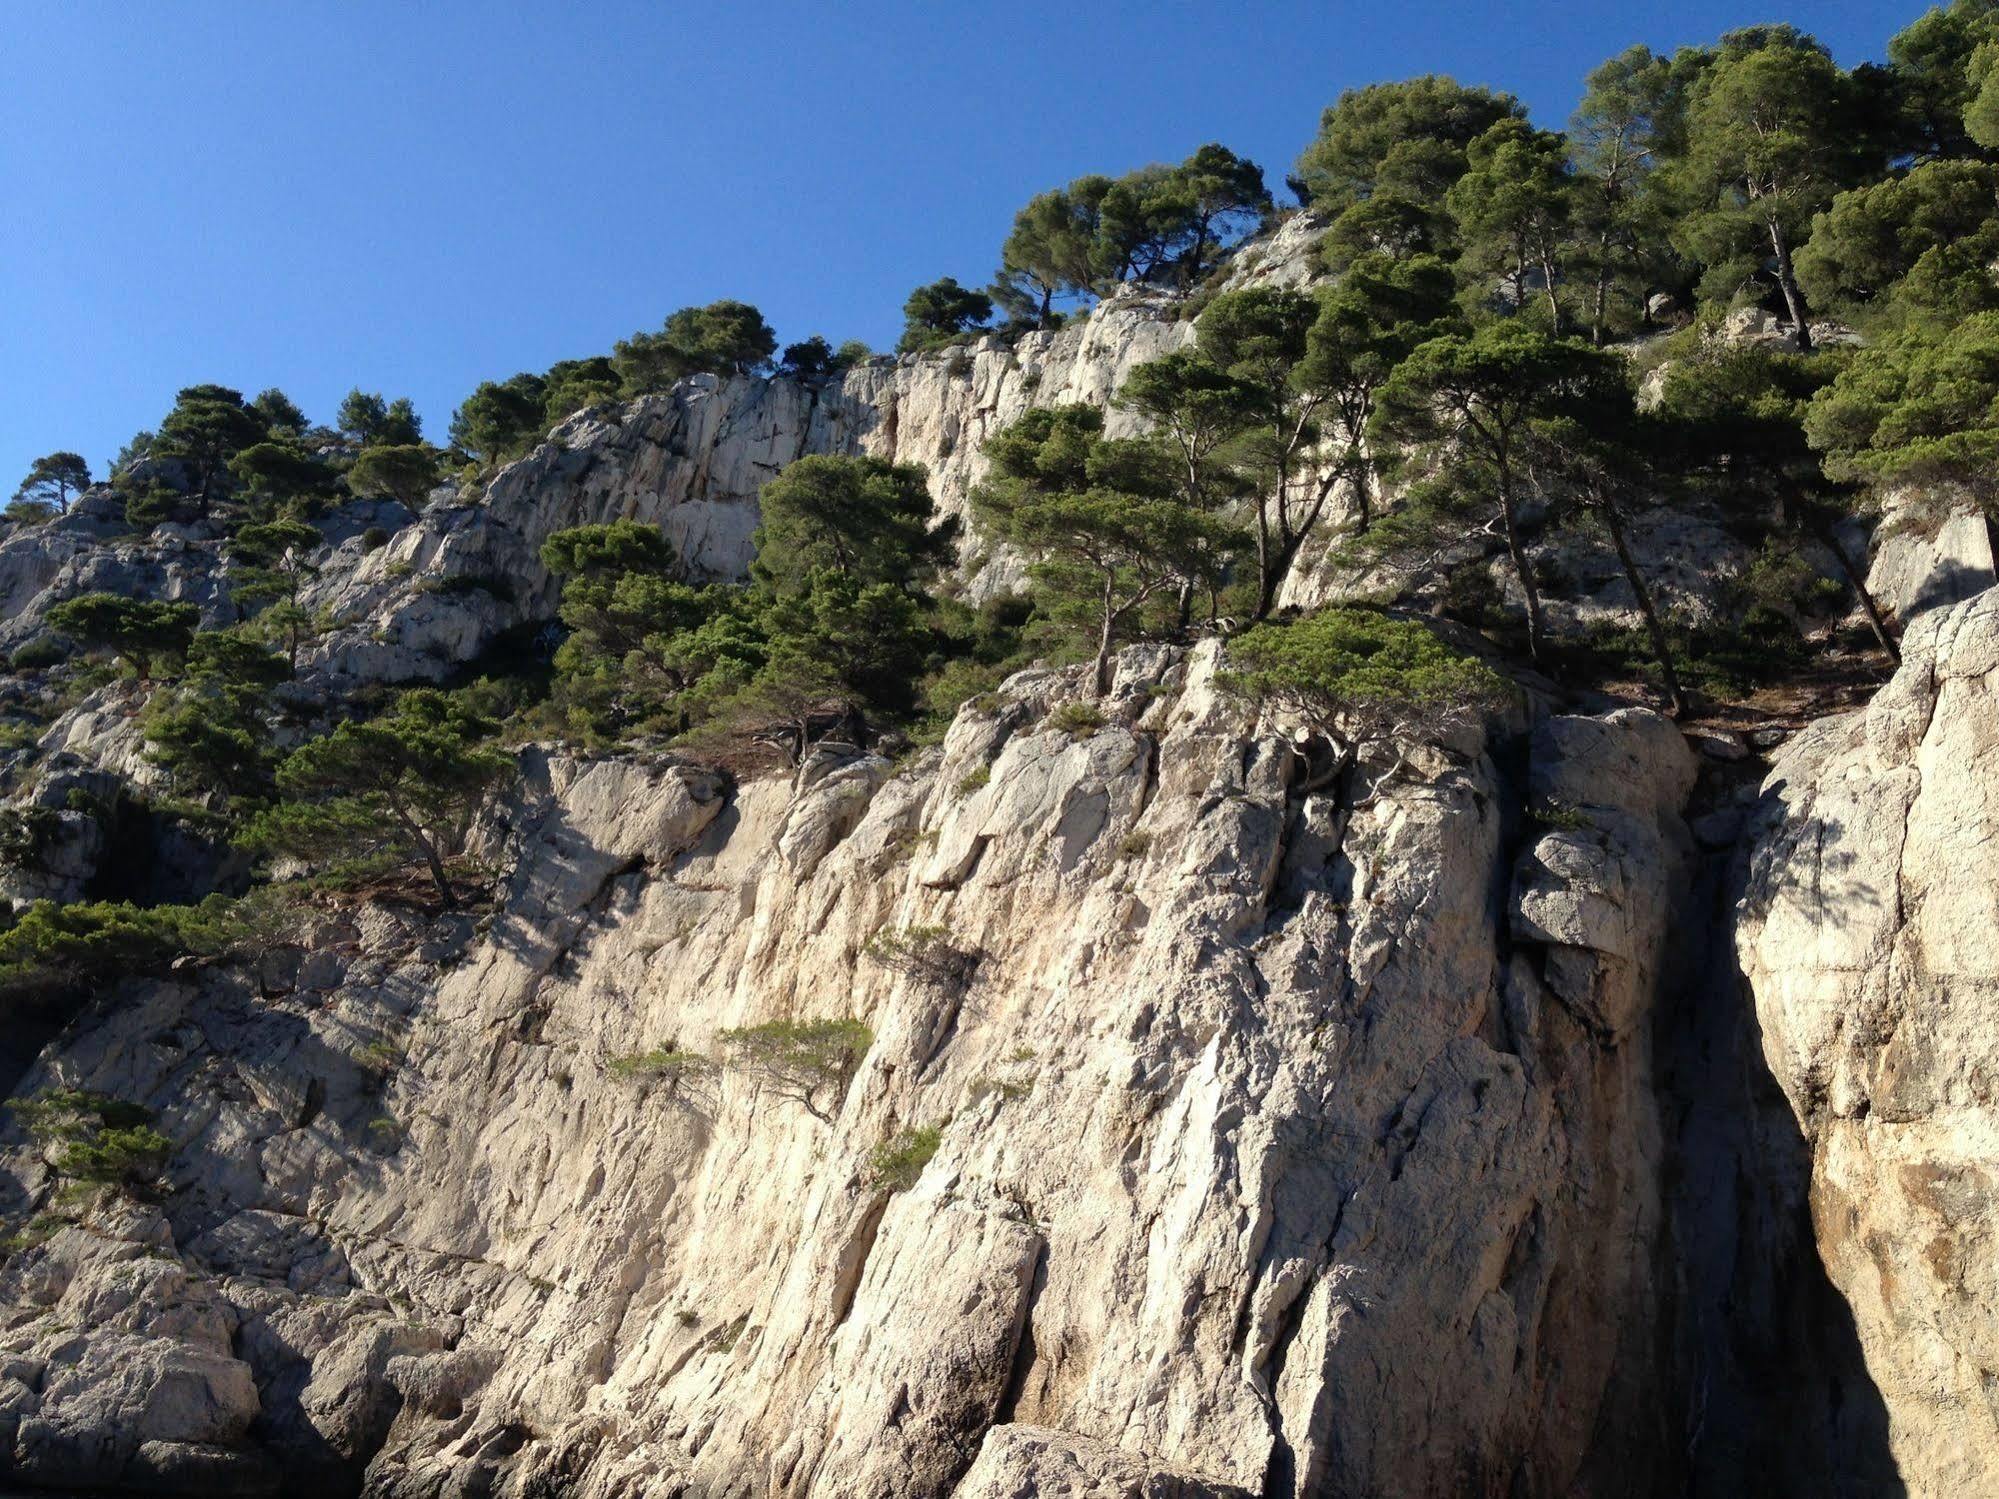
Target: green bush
{"points": [[39, 654], [1077, 720], [796, 1059], [55, 952], [926, 953], [668, 1063], [898, 1161], [97, 1140]]}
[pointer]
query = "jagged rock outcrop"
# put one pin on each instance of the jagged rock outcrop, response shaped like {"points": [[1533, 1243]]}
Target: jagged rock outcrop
{"points": [[1866, 938], [1289, 1143]]}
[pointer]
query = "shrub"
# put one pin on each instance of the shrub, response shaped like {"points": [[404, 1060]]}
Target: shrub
{"points": [[96, 1139], [53, 952], [25, 836], [926, 953], [1368, 677], [1134, 845], [798, 1058], [660, 1063], [1077, 720], [374, 539], [898, 1161], [38, 654], [975, 780]]}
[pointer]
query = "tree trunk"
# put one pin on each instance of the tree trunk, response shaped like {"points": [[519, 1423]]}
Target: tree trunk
{"points": [[1554, 302], [1876, 620], [1599, 333], [1787, 279], [1266, 586], [1536, 632], [1102, 671], [1661, 650], [437, 874]]}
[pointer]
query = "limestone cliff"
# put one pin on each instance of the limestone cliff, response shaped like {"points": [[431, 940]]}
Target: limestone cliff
{"points": [[1562, 1114], [1296, 1142]]}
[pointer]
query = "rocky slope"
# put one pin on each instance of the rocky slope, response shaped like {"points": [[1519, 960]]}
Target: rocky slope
{"points": [[1294, 1143], [1566, 1114]]}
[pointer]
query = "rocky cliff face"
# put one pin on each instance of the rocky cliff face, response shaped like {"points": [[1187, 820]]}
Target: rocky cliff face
{"points": [[1545, 1118], [1290, 1142], [1866, 935]]}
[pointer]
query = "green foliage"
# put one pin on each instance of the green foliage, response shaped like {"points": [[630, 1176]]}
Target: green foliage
{"points": [[1077, 720], [897, 1163], [799, 1059], [500, 419], [94, 1139], [1918, 246], [863, 517], [53, 480], [279, 413], [403, 786], [1370, 677], [928, 954], [141, 631], [278, 471], [723, 338], [1050, 251], [208, 426], [1933, 65], [55, 953], [1917, 409], [938, 314], [1515, 207], [1631, 117], [375, 423], [1102, 518], [572, 385], [661, 1064], [815, 359], [1770, 137], [1407, 138], [403, 471], [1472, 403]]}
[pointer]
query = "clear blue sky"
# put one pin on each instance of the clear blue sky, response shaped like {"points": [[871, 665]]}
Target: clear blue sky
{"points": [[415, 197]]}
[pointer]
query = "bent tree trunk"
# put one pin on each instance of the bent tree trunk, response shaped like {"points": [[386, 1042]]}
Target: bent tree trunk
{"points": [[1101, 673], [1661, 649], [1876, 620], [1517, 551], [1787, 279]]}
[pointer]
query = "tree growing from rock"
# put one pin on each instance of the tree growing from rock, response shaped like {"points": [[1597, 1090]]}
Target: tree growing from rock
{"points": [[1917, 410], [501, 418], [140, 631], [279, 413], [1470, 402], [1049, 254], [1359, 679], [1515, 210], [208, 426], [801, 1060], [1101, 519], [374, 422], [1769, 140], [406, 472], [402, 787], [858, 515], [53, 480], [941, 312], [1739, 415], [723, 338]]}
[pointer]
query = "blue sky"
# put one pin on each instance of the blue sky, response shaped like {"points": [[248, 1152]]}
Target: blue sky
{"points": [[413, 198]]}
